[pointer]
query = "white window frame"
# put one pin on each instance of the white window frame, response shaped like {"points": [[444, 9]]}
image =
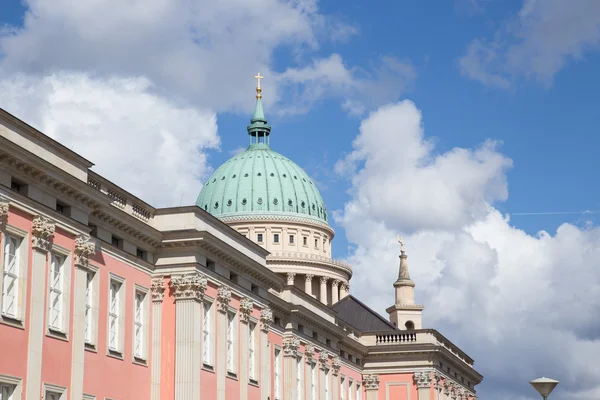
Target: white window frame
{"points": [[208, 333], [342, 387], [350, 388], [277, 358], [14, 384], [313, 381], [91, 313], [299, 376], [61, 329], [141, 354], [252, 355], [89, 397], [327, 384], [358, 391], [49, 388], [18, 317], [117, 313], [232, 341]]}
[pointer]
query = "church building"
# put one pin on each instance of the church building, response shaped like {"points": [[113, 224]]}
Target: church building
{"points": [[105, 297]]}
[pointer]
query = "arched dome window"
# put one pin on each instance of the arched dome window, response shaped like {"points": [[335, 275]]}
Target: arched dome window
{"points": [[410, 326]]}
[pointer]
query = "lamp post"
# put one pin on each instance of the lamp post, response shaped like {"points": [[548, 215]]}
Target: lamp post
{"points": [[544, 386]]}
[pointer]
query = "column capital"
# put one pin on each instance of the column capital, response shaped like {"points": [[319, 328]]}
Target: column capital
{"points": [[42, 233], [84, 249], [335, 283], [309, 350], [336, 364], [3, 212], [188, 287], [291, 346], [223, 298], [290, 278], [246, 306], [266, 319], [309, 277], [323, 359], [323, 279], [437, 380], [345, 286], [423, 379], [157, 289], [371, 382]]}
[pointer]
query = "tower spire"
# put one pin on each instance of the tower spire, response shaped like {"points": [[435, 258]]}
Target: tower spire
{"points": [[258, 129]]}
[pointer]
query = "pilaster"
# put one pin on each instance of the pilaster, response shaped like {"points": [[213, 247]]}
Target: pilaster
{"points": [[335, 376], [371, 385], [84, 249], [291, 344], [158, 293], [42, 233], [309, 350], [323, 371], [423, 380], [246, 306], [188, 291], [323, 294], [266, 319], [223, 299]]}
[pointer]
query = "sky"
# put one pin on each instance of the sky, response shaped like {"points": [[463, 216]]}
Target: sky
{"points": [[467, 126]]}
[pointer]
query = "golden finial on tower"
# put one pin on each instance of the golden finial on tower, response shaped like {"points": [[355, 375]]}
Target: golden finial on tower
{"points": [[258, 89]]}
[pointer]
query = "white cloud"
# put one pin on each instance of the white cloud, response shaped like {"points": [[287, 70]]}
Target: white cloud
{"points": [[142, 142], [537, 43], [521, 305]]}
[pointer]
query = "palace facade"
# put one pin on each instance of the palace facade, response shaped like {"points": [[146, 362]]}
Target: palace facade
{"points": [[236, 297]]}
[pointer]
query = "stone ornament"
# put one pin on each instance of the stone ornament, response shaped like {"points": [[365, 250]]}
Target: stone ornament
{"points": [[371, 382], [290, 278], [309, 277], [323, 359], [446, 388], [423, 379], [266, 319], [291, 346], [336, 364], [437, 380], [345, 287], [188, 287], [223, 298], [309, 350], [3, 213], [157, 289], [84, 249], [324, 279], [42, 233], [335, 283], [246, 307]]}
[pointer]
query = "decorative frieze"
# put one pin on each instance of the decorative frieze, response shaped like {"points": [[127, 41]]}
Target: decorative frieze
{"points": [[223, 298], [336, 364], [291, 346], [309, 350], [446, 388], [323, 359], [42, 233], [266, 319], [84, 250], [157, 289], [246, 306], [423, 379], [371, 382], [186, 287]]}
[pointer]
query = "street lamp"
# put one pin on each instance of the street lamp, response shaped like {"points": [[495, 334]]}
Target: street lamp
{"points": [[544, 386]]}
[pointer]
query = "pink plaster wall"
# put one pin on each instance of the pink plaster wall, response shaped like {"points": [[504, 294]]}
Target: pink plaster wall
{"points": [[127, 379], [397, 392]]}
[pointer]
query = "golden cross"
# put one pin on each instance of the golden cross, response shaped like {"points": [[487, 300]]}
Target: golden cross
{"points": [[401, 241], [258, 78]]}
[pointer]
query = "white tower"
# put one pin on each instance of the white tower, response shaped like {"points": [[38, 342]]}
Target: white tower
{"points": [[405, 314]]}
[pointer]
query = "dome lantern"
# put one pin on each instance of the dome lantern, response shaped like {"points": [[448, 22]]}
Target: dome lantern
{"points": [[258, 130]]}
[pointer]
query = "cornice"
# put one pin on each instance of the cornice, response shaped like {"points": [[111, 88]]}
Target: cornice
{"points": [[263, 218], [309, 259], [304, 314]]}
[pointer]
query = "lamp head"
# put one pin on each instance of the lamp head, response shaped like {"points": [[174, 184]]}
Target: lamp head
{"points": [[544, 386]]}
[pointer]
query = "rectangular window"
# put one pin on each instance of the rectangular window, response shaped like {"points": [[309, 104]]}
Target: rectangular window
{"points": [[291, 239], [350, 388], [358, 391], [116, 241], [342, 388], [299, 378], [276, 238], [259, 238], [10, 276], [327, 386], [52, 395], [6, 391], [277, 374], [305, 241], [317, 244], [56, 288], [231, 332], [313, 381], [89, 302], [207, 334], [114, 316], [252, 351], [138, 325]]}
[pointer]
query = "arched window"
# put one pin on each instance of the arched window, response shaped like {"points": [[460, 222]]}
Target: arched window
{"points": [[410, 326]]}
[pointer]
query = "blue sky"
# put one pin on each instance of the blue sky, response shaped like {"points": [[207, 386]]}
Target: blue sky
{"points": [[164, 91]]}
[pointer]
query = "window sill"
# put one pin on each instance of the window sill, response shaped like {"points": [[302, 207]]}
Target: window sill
{"points": [[11, 321], [140, 361], [253, 382], [90, 347], [208, 367], [232, 375], [56, 334], [115, 354]]}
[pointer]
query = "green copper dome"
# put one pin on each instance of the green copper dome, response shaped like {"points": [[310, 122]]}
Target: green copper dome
{"points": [[260, 181]]}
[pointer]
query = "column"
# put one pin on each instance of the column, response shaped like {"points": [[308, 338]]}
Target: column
{"points": [[188, 291], [323, 371], [84, 249], [246, 306], [344, 290], [290, 366], [335, 380], [334, 291], [290, 278], [223, 299], [308, 283], [323, 293], [42, 233], [158, 293], [266, 319], [423, 382], [371, 385], [309, 350]]}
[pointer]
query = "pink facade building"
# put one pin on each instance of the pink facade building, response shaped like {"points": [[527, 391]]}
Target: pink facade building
{"points": [[237, 297]]}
